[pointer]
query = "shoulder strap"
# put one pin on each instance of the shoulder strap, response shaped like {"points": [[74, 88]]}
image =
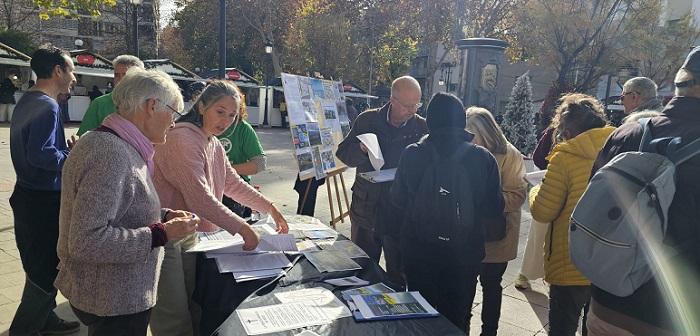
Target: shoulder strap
{"points": [[646, 134], [686, 152]]}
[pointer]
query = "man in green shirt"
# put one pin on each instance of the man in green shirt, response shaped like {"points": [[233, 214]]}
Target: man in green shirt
{"points": [[103, 106]]}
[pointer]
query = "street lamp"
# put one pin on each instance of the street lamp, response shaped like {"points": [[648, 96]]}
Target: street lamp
{"points": [[134, 18], [268, 50], [78, 44]]}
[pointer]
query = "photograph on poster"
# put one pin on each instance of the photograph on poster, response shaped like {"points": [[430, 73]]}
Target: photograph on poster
{"points": [[329, 111], [330, 90], [342, 111], [318, 163], [328, 158], [304, 87], [309, 111], [345, 126], [305, 160], [300, 136], [314, 134], [317, 88], [327, 136]]}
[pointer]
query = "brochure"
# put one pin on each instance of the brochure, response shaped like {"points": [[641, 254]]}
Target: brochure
{"points": [[389, 306]]}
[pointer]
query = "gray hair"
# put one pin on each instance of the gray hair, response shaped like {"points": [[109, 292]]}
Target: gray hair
{"points": [[480, 122], [128, 60], [138, 86], [643, 86]]}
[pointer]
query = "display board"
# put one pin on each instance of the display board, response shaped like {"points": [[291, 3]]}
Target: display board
{"points": [[318, 120]]}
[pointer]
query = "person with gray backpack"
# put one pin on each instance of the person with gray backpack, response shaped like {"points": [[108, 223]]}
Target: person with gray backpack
{"points": [[640, 244]]}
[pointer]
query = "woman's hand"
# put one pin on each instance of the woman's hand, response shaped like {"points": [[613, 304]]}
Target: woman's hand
{"points": [[172, 214], [250, 237], [281, 223], [180, 227]]}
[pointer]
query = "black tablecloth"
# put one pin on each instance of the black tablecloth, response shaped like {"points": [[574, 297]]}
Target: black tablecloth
{"points": [[219, 295]]}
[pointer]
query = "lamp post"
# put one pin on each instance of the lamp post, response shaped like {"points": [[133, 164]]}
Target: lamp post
{"points": [[78, 44], [268, 51], [134, 18]]}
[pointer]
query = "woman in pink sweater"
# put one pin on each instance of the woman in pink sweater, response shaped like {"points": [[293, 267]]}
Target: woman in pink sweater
{"points": [[193, 173]]}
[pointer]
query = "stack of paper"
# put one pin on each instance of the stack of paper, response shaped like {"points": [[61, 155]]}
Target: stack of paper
{"points": [[268, 243], [246, 267], [209, 241], [390, 306], [331, 261], [380, 175]]}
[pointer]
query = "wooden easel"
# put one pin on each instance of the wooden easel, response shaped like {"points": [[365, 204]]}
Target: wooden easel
{"points": [[334, 176]]}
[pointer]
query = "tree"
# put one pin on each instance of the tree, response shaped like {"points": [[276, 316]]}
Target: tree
{"points": [[15, 14], [49, 8], [519, 117], [578, 37], [18, 40]]}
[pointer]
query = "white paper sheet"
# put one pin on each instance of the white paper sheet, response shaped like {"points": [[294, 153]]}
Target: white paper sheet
{"points": [[256, 275], [380, 176], [373, 150], [209, 241], [306, 246], [321, 297], [268, 243], [535, 178], [281, 317], [249, 262], [347, 281]]}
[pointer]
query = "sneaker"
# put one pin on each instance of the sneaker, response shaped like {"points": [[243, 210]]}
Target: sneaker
{"points": [[522, 282], [61, 327]]}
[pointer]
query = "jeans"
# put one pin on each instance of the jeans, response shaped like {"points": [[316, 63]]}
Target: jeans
{"points": [[447, 286], [120, 325], [565, 305], [36, 234], [490, 277]]}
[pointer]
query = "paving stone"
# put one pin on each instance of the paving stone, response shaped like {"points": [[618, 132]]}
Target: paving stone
{"points": [[523, 314], [538, 293]]}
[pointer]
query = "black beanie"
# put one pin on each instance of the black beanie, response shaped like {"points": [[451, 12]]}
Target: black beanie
{"points": [[692, 64], [445, 110]]}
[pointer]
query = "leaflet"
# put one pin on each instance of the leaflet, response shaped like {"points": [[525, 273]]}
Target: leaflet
{"points": [[377, 288], [320, 297], [388, 306], [280, 317]]}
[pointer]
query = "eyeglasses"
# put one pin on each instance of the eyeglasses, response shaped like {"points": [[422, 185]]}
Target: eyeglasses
{"points": [[408, 107], [175, 113], [622, 96]]}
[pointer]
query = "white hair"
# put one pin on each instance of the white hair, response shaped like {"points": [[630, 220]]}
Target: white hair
{"points": [[139, 85], [643, 86], [128, 60]]}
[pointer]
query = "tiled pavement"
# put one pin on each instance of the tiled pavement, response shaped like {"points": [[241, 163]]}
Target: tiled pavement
{"points": [[523, 313]]}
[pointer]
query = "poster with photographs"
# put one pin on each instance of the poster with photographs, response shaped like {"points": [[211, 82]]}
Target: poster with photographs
{"points": [[318, 122]]}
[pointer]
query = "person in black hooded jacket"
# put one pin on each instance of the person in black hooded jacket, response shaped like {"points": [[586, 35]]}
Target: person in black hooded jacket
{"points": [[446, 277]]}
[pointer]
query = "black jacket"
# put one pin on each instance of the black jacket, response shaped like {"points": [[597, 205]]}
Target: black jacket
{"points": [[478, 164], [680, 118], [370, 201]]}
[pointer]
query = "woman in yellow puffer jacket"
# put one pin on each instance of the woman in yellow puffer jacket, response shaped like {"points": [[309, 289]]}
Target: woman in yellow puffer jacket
{"points": [[582, 130]]}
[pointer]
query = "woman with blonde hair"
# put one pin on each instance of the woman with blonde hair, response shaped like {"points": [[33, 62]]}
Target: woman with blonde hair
{"points": [[193, 173], [511, 166], [581, 131]]}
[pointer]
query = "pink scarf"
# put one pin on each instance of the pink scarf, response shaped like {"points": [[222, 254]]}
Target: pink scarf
{"points": [[133, 136]]}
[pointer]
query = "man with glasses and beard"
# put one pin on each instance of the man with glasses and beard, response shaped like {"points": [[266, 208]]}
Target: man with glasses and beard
{"points": [[396, 125]]}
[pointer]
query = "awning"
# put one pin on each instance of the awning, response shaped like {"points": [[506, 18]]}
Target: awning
{"points": [[10, 61], [96, 72], [360, 95]]}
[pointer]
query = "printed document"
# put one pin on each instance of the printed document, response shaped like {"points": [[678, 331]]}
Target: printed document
{"points": [[321, 297], [209, 241], [380, 176], [228, 262], [373, 150], [347, 281], [268, 243], [281, 317]]}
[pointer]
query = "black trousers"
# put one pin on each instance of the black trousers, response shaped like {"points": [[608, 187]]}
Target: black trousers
{"points": [[565, 305], [448, 286], [237, 208], [373, 244], [120, 325], [36, 234], [307, 207], [490, 276]]}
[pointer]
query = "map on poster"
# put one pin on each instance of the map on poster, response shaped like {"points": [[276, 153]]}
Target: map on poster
{"points": [[319, 121]]}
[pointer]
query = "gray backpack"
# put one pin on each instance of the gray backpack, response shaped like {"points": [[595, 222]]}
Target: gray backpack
{"points": [[619, 224]]}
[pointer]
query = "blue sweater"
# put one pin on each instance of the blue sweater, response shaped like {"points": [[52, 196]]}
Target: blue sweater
{"points": [[37, 142]]}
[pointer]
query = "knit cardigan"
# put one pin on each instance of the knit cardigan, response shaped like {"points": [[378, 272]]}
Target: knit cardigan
{"points": [[107, 266], [193, 173]]}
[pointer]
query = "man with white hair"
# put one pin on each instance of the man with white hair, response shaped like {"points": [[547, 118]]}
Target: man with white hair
{"points": [[396, 125], [669, 303], [103, 106], [639, 94]]}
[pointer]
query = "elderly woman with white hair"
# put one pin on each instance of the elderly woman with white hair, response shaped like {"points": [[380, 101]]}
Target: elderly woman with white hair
{"points": [[112, 229]]}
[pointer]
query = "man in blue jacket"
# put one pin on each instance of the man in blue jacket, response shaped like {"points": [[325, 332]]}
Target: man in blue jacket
{"points": [[39, 149]]}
